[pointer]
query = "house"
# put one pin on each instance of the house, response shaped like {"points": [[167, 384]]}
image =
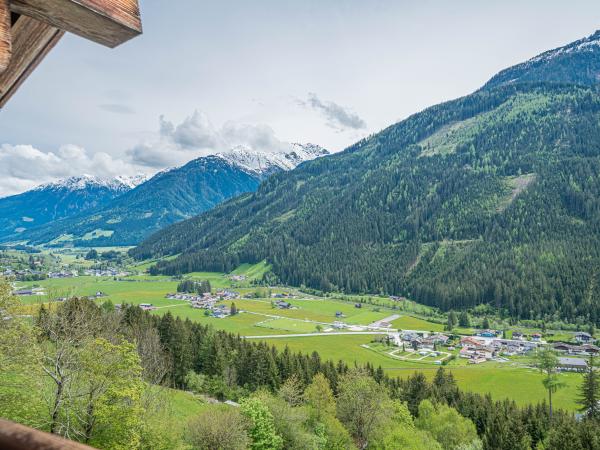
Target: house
{"points": [[227, 295], [23, 292], [585, 349], [488, 333], [473, 348], [476, 359], [590, 349], [63, 274], [471, 341], [147, 306], [416, 343], [583, 338], [436, 338], [409, 336], [572, 364]]}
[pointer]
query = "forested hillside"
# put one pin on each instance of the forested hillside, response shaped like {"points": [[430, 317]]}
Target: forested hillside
{"points": [[98, 375], [491, 198], [54, 201], [168, 197]]}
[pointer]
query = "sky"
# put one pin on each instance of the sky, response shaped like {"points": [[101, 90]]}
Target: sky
{"points": [[206, 76]]}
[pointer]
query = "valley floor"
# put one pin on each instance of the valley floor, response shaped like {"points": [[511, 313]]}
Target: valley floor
{"points": [[310, 324]]}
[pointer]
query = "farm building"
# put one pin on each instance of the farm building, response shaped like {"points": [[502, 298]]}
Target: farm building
{"points": [[584, 338], [572, 364], [147, 306], [585, 349]]}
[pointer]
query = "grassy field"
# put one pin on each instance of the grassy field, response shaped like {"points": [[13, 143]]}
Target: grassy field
{"points": [[500, 380], [290, 325], [414, 323], [259, 317]]}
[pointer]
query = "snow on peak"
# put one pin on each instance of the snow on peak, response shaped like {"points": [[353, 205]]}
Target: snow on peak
{"points": [[266, 162], [132, 181], [589, 43], [85, 181]]}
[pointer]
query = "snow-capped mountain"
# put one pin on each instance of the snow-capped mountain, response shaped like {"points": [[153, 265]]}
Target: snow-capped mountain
{"points": [[171, 195], [58, 200], [574, 63], [120, 183], [269, 162]]}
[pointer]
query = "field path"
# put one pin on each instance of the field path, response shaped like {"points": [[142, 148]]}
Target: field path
{"points": [[377, 324], [341, 333]]}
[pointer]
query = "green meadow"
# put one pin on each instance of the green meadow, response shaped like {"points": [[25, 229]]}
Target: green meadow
{"points": [[260, 317]]}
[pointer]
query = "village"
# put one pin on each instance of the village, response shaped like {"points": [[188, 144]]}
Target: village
{"points": [[412, 345]]}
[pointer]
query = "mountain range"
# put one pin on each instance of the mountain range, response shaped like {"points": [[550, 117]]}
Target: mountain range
{"points": [[54, 201], [492, 198], [86, 211]]}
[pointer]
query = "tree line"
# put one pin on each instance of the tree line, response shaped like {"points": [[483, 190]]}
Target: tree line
{"points": [[90, 373], [491, 198]]}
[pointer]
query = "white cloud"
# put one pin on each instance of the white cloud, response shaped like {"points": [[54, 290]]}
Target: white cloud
{"points": [[196, 136], [23, 167], [338, 117]]}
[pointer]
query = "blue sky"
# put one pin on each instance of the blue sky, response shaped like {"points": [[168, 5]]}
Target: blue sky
{"points": [[205, 76]]}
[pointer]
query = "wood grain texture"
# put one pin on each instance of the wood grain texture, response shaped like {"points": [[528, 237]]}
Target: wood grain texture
{"points": [[14, 436], [107, 22], [31, 42], [5, 35]]}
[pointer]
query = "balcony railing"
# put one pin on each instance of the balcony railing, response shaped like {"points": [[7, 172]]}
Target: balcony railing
{"points": [[14, 436]]}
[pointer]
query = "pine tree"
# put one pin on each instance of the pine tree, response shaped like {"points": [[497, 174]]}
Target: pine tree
{"points": [[452, 321], [590, 392], [486, 323], [547, 363]]}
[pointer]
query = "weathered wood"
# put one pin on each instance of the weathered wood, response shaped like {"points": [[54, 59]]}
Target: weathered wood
{"points": [[5, 35], [107, 22], [31, 42], [14, 436]]}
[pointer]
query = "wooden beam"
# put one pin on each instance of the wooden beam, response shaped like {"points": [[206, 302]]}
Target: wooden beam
{"points": [[31, 42], [14, 436], [5, 35], [107, 22]]}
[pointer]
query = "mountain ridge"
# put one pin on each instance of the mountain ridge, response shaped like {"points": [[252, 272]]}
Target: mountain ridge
{"points": [[490, 198], [59, 199], [169, 196]]}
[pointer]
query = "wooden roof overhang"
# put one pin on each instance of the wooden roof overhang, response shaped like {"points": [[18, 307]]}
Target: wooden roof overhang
{"points": [[29, 29]]}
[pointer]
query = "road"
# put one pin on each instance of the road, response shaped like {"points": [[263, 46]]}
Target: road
{"points": [[340, 333], [377, 324]]}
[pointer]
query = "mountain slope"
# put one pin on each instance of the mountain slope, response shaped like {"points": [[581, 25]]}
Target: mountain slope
{"points": [[575, 63], [491, 198], [58, 200], [171, 196]]}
